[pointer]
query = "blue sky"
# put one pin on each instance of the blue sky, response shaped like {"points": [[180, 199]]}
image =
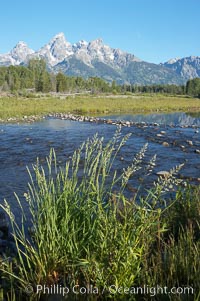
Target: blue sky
{"points": [[153, 30]]}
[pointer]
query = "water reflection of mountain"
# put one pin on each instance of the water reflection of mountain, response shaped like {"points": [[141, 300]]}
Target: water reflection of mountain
{"points": [[180, 119]]}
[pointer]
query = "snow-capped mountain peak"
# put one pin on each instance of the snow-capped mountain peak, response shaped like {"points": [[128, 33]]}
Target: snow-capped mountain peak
{"points": [[21, 44], [60, 40], [59, 35], [17, 55], [56, 50], [20, 52]]}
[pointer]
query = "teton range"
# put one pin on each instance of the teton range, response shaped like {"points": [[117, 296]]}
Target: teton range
{"points": [[97, 59]]}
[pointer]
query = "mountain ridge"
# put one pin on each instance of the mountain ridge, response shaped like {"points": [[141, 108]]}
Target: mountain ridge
{"points": [[187, 67], [94, 58]]}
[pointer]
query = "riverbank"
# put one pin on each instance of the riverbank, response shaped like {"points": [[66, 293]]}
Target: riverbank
{"points": [[19, 108]]}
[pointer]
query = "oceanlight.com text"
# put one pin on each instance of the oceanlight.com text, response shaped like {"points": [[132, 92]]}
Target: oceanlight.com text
{"points": [[112, 290]]}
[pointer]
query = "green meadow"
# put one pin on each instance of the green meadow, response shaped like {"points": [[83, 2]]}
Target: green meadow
{"points": [[84, 104]]}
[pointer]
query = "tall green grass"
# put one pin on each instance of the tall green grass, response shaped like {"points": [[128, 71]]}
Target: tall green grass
{"points": [[86, 232], [175, 261]]}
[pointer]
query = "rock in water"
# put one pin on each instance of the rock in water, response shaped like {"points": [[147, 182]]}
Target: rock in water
{"points": [[163, 173]]}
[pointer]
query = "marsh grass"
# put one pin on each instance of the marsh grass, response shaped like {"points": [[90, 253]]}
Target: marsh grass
{"points": [[19, 106], [175, 262], [86, 232]]}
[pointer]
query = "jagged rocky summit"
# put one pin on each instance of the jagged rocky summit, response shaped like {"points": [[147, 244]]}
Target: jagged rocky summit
{"points": [[94, 58], [187, 68]]}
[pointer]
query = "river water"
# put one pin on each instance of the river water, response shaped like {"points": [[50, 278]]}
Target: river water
{"points": [[21, 144]]}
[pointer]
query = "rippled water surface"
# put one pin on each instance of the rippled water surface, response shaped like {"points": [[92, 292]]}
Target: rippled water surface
{"points": [[21, 144]]}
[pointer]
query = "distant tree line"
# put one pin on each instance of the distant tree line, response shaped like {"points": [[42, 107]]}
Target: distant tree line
{"points": [[191, 88], [36, 77], [156, 88]]}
